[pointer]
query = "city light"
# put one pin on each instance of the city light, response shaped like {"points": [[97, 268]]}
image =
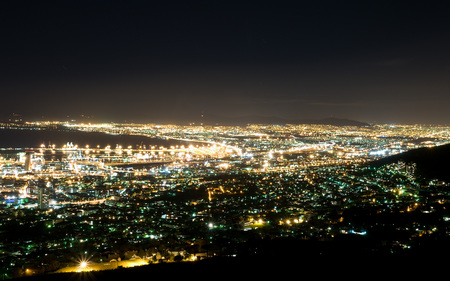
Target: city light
{"points": [[197, 185]]}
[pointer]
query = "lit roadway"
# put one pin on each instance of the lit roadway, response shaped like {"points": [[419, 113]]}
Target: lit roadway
{"points": [[85, 266], [95, 201]]}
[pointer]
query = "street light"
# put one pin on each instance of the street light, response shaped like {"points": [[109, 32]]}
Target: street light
{"points": [[83, 264]]}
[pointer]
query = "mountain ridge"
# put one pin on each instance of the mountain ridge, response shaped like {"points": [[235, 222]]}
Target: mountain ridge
{"points": [[271, 120]]}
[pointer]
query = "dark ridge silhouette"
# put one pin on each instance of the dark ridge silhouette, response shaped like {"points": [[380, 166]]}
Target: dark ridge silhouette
{"points": [[280, 257], [431, 163], [271, 120]]}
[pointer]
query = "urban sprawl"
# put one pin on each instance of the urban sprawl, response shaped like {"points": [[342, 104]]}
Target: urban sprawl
{"points": [[72, 207]]}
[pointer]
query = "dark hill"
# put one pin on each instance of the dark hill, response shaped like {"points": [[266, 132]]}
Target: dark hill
{"points": [[337, 122], [272, 120], [432, 163], [279, 257]]}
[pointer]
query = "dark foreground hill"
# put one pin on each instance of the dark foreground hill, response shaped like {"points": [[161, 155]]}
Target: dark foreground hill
{"points": [[284, 257], [432, 163]]}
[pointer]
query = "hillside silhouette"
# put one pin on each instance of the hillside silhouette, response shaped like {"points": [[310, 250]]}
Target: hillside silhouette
{"points": [[211, 119], [432, 162]]}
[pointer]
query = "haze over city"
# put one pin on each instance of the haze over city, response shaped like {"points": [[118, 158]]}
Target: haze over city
{"points": [[372, 61]]}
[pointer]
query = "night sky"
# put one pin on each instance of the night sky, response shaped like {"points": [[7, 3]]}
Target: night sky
{"points": [[154, 61]]}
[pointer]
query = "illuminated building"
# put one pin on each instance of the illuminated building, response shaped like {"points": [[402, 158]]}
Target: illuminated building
{"points": [[28, 163]]}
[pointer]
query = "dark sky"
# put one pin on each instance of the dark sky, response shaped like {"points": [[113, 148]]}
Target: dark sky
{"points": [[383, 61]]}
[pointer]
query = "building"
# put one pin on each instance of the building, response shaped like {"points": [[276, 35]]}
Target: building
{"points": [[28, 163]]}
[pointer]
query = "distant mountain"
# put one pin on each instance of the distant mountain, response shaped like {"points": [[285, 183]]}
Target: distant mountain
{"points": [[272, 120], [338, 122], [432, 163]]}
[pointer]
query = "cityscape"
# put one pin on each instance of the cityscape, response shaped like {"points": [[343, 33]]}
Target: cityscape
{"points": [[69, 207], [222, 139]]}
